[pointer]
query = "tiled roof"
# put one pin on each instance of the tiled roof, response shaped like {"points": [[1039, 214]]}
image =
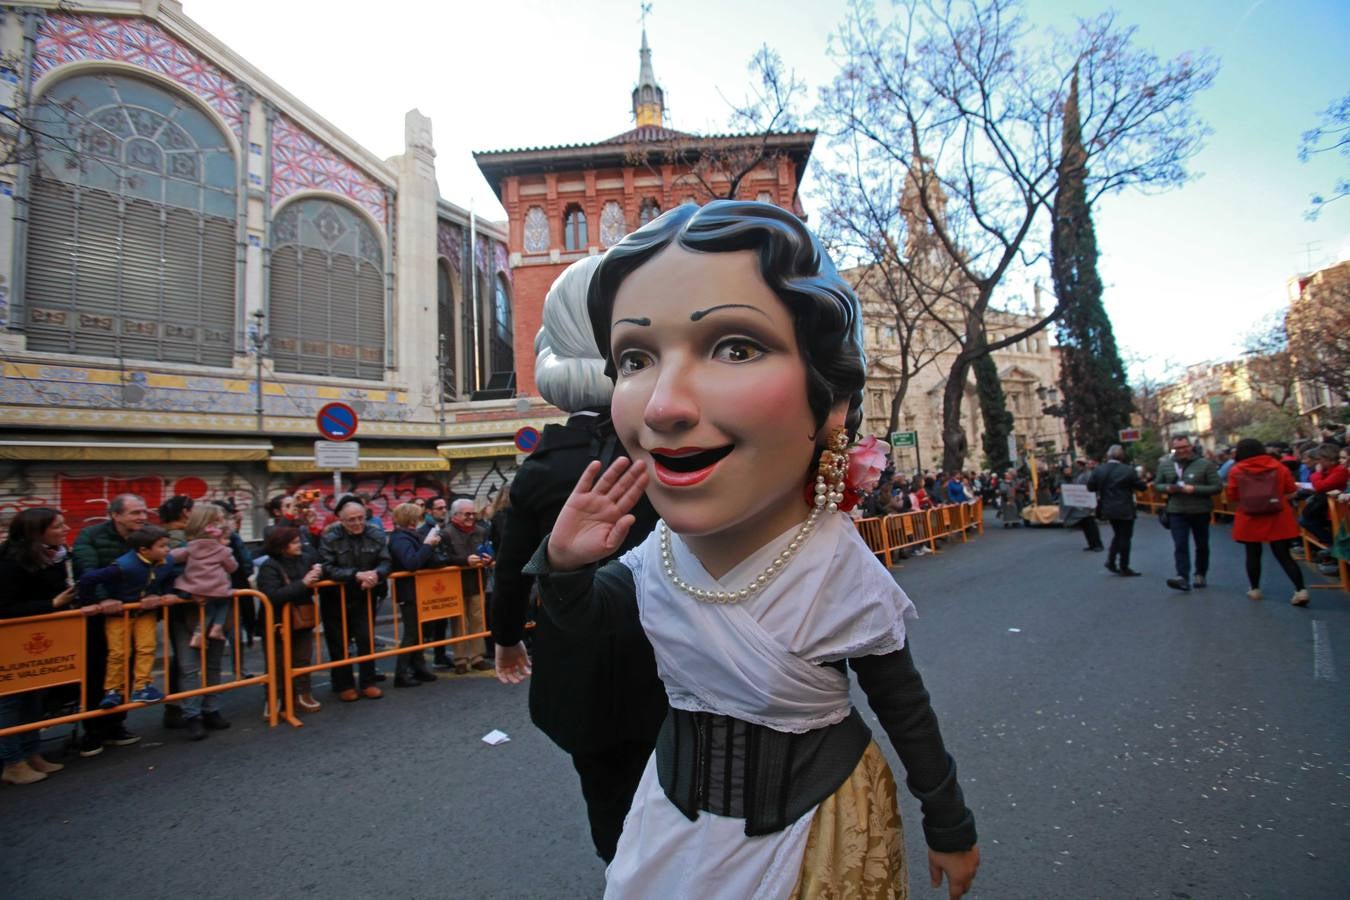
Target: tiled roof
{"points": [[646, 133]]}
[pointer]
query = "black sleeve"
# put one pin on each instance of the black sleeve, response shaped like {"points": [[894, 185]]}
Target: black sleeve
{"points": [[274, 585], [896, 694], [520, 537], [592, 600]]}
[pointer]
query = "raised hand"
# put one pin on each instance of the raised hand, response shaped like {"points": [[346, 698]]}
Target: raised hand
{"points": [[595, 519]]}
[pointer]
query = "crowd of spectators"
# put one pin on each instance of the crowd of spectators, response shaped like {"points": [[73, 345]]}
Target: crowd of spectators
{"points": [[190, 563]]}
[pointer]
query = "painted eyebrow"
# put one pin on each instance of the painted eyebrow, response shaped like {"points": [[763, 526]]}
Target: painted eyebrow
{"points": [[643, 321], [700, 313]]}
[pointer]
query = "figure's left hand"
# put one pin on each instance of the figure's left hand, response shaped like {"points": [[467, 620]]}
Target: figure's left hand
{"points": [[512, 663], [959, 868]]}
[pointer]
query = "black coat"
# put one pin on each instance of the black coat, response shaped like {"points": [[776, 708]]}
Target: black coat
{"points": [[1115, 484], [587, 692], [29, 592], [282, 578]]}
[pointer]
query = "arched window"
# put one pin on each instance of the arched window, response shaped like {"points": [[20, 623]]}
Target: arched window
{"points": [[649, 210], [445, 320], [612, 225], [536, 230], [764, 197], [574, 229], [327, 291], [502, 352], [132, 237]]}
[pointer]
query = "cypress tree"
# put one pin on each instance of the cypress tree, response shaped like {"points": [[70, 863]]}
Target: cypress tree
{"points": [[998, 422], [1096, 397]]}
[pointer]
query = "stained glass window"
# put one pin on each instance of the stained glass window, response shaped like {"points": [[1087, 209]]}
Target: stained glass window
{"points": [[612, 227], [536, 231]]}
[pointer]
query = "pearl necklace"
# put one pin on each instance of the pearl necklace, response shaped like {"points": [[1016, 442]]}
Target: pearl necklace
{"points": [[832, 463]]}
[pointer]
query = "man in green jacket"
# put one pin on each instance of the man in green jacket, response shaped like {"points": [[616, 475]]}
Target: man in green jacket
{"points": [[1190, 482]]}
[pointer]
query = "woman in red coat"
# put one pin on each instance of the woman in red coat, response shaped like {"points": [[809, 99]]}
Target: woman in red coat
{"points": [[1260, 487]]}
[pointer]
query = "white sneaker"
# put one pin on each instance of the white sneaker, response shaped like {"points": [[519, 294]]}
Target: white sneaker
{"points": [[1254, 594], [1300, 598]]}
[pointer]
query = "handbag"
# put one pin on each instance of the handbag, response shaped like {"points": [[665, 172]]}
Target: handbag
{"points": [[1164, 519], [304, 614]]}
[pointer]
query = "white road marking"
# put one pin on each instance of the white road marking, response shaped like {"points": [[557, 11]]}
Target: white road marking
{"points": [[1324, 661]]}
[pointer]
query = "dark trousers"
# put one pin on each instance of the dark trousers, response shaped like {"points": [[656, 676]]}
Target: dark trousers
{"points": [[413, 660], [609, 778], [1184, 527], [1091, 532], [1122, 532], [331, 603], [1278, 549], [436, 631]]}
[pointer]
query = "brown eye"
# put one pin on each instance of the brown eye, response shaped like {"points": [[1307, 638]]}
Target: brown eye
{"points": [[738, 350], [633, 361]]}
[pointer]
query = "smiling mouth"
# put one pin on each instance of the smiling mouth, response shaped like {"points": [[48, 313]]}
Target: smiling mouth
{"points": [[688, 465]]}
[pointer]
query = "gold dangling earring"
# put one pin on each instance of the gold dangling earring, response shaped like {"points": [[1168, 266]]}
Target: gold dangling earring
{"points": [[831, 470]]}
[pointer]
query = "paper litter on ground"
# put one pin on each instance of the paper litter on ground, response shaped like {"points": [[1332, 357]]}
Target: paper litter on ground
{"points": [[495, 737]]}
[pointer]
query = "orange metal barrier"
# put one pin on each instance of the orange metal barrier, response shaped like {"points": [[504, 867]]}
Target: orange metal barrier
{"points": [[886, 534], [1335, 515], [45, 651], [439, 595]]}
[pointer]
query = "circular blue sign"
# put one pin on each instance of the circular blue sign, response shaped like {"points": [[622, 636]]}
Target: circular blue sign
{"points": [[336, 421], [527, 439]]}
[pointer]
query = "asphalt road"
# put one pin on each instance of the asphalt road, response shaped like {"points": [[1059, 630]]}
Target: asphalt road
{"points": [[1115, 739]]}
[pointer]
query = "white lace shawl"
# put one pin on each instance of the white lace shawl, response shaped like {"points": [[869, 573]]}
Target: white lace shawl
{"points": [[761, 660]]}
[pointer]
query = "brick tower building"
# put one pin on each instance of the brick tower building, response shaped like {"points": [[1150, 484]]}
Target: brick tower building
{"points": [[565, 202]]}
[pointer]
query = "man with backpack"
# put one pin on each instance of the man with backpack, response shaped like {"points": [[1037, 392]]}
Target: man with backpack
{"points": [[1260, 488], [1190, 482]]}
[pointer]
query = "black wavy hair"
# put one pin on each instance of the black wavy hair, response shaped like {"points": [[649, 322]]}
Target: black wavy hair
{"points": [[824, 309]]}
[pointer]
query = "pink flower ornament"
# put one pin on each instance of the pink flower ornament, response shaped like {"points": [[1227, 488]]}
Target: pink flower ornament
{"points": [[866, 461]]}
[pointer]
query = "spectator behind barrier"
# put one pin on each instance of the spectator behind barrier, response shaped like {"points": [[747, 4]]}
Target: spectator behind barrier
{"points": [[33, 571], [206, 579], [408, 553], [95, 547], [356, 554], [463, 540], [1326, 475], [144, 574], [287, 578]]}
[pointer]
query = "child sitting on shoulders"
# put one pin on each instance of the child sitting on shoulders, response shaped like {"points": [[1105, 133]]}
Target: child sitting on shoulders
{"points": [[142, 575], [209, 564]]}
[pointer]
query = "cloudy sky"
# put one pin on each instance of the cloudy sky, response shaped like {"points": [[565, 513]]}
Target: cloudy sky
{"points": [[1188, 273]]}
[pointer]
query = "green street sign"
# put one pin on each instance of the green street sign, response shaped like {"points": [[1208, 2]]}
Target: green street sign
{"points": [[904, 439]]}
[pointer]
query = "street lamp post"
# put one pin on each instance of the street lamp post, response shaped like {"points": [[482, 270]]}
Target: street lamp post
{"points": [[258, 344]]}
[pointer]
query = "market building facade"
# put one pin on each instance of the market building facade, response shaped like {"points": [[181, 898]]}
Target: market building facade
{"points": [[193, 262]]}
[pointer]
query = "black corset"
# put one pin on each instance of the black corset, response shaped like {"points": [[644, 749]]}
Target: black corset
{"points": [[770, 778]]}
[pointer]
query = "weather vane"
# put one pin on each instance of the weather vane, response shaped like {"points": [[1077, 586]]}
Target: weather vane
{"points": [[646, 8]]}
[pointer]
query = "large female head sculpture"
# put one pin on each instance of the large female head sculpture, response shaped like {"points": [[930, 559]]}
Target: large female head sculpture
{"points": [[735, 348]]}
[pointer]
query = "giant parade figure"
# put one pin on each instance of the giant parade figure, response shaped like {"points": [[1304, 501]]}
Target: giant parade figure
{"points": [[736, 352]]}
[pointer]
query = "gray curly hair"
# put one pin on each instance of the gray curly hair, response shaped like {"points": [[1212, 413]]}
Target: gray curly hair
{"points": [[568, 367]]}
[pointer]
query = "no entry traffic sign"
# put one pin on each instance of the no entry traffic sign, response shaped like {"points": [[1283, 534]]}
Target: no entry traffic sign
{"points": [[336, 421], [527, 439]]}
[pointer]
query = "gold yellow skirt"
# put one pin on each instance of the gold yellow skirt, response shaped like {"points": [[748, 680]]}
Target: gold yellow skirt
{"points": [[856, 846]]}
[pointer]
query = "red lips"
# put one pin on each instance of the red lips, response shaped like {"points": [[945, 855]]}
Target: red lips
{"points": [[686, 466]]}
